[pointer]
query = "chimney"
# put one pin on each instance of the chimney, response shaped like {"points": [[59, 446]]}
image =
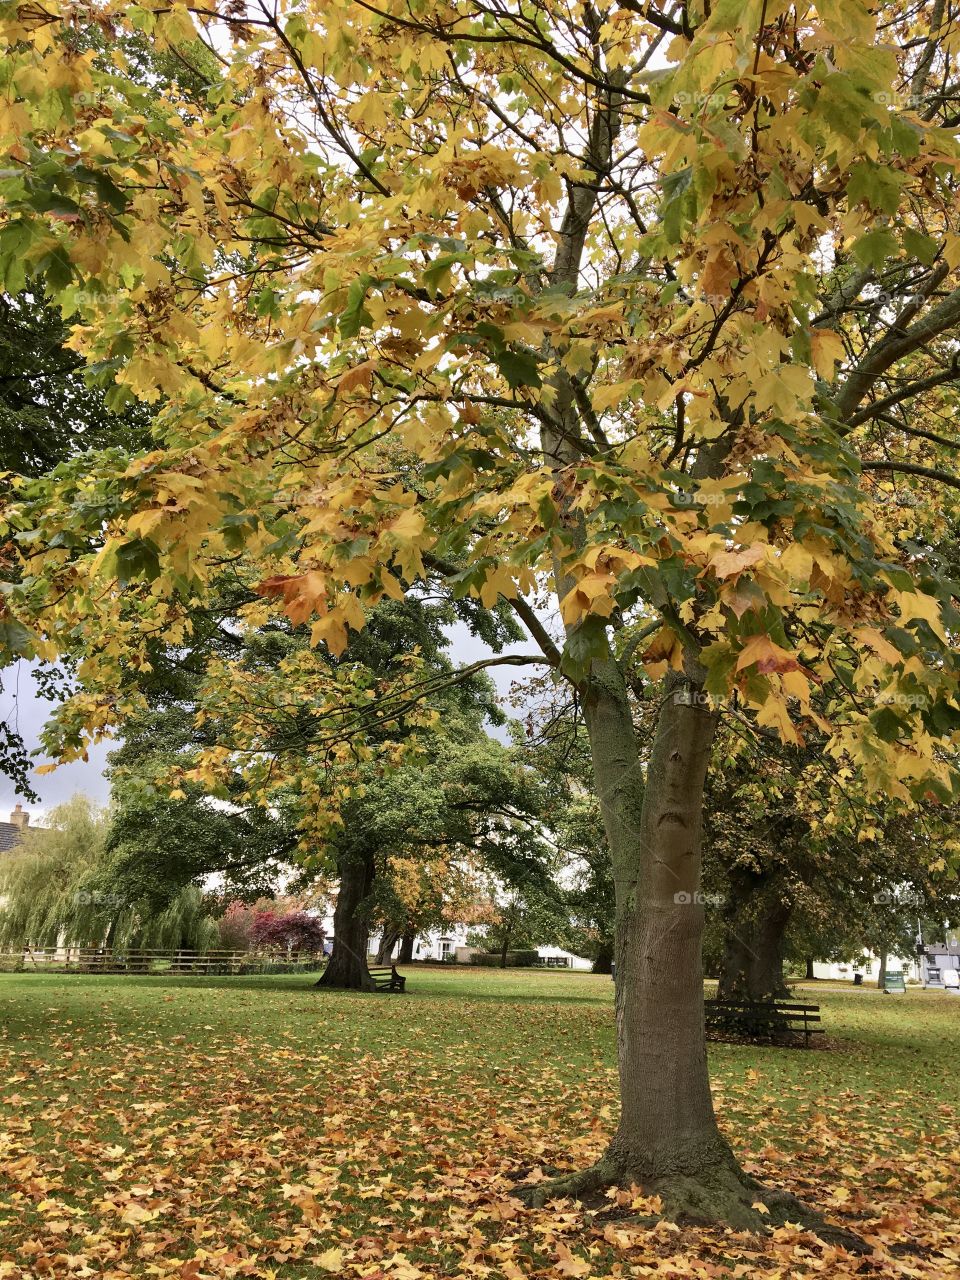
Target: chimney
{"points": [[19, 817]]}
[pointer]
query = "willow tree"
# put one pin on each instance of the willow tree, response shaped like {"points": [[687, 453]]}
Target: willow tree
{"points": [[60, 887], [641, 304]]}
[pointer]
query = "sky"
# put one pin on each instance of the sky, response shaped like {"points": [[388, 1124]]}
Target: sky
{"points": [[26, 711]]}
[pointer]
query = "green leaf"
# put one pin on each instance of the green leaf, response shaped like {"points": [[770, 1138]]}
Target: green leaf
{"points": [[15, 639], [587, 641], [919, 246], [875, 184], [519, 368], [875, 248], [354, 316]]}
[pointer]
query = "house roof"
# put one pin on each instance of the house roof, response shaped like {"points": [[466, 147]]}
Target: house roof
{"points": [[943, 949], [10, 834]]}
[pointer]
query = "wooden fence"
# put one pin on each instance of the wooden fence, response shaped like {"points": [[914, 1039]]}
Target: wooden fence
{"points": [[131, 960]]}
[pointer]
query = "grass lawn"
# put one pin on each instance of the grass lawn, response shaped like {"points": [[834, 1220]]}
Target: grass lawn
{"points": [[198, 1128]]}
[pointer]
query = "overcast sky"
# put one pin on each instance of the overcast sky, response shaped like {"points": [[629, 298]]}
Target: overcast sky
{"points": [[23, 709]]}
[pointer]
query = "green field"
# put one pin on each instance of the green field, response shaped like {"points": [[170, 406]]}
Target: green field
{"points": [[254, 1127]]}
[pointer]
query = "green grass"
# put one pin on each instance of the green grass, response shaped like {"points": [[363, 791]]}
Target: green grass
{"points": [[244, 1126]]}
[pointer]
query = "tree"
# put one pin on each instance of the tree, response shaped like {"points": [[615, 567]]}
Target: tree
{"points": [[293, 931], [158, 842], [411, 841], [59, 889], [47, 413], [472, 300], [46, 881], [525, 916], [802, 864], [48, 410]]}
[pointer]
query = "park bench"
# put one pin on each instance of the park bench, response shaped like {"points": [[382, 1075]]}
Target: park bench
{"points": [[763, 1019], [388, 979]]}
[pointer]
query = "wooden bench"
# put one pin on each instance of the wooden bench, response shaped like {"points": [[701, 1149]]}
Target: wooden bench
{"points": [[763, 1019], [388, 979]]}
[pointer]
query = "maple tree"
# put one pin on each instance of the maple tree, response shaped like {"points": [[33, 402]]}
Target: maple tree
{"points": [[646, 303]]}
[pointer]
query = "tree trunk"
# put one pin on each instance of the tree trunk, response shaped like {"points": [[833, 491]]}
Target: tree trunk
{"points": [[347, 967], [406, 948], [604, 958], [755, 927], [667, 1141], [810, 976], [882, 975], [387, 942], [504, 949]]}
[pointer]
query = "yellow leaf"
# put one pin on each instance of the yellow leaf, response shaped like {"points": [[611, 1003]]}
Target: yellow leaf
{"points": [[880, 645], [798, 562], [915, 604], [329, 1260], [767, 656], [727, 563], [605, 397], [827, 348]]}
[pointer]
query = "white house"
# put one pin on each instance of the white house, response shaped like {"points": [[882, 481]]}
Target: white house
{"points": [[440, 944], [869, 966], [436, 944], [939, 960]]}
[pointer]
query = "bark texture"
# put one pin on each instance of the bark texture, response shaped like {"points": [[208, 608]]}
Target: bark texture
{"points": [[406, 948], [667, 1140], [347, 967], [387, 942]]}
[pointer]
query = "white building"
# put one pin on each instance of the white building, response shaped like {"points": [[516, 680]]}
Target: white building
{"points": [[939, 959], [869, 966]]}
